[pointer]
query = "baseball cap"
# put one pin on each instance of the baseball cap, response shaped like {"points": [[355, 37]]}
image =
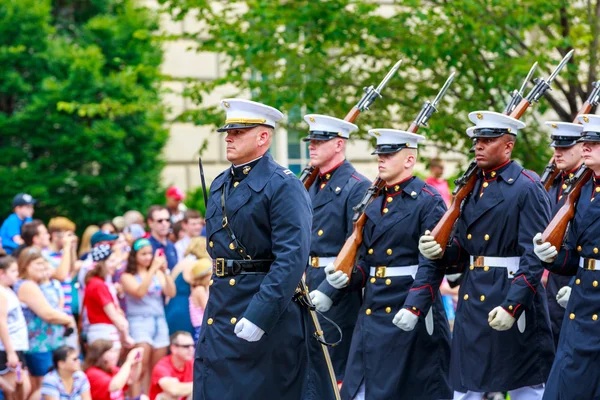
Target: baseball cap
{"points": [[23, 199], [175, 193], [100, 237]]}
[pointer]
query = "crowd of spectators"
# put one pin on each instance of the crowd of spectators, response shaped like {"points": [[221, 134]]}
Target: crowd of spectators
{"points": [[113, 315]]}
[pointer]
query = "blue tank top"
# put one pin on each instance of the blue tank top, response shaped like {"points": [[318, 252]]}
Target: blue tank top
{"points": [[151, 305]]}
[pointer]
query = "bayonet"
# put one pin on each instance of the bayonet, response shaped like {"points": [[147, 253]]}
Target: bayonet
{"points": [[372, 93], [430, 107], [542, 85], [517, 95]]}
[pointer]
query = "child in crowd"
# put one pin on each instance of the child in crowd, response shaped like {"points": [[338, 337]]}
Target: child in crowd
{"points": [[13, 331]]}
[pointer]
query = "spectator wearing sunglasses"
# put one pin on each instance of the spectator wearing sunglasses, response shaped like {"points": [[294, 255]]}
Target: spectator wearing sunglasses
{"points": [[159, 221], [66, 380], [173, 374]]}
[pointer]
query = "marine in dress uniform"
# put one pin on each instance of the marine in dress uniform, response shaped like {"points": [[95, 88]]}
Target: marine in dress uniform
{"points": [[334, 193], [253, 340], [502, 339], [567, 157], [575, 373], [401, 343]]}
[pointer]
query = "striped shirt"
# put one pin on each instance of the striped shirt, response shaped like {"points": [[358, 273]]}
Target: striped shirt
{"points": [[53, 386], [54, 259]]}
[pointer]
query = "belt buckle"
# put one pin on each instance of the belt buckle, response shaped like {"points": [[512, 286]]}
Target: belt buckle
{"points": [[220, 267], [380, 272], [314, 262], [478, 261], [590, 263]]}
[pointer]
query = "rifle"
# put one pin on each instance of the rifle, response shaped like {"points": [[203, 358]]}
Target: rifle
{"points": [[309, 173], [550, 171], [465, 184], [556, 230], [346, 259]]}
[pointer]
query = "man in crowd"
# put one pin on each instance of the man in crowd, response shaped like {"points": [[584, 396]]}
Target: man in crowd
{"points": [[174, 197], [436, 170], [10, 231], [191, 225], [159, 221], [172, 376]]}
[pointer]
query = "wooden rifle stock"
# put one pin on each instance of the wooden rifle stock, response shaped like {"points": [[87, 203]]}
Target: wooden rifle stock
{"points": [[346, 258], [557, 228], [520, 109], [443, 229]]}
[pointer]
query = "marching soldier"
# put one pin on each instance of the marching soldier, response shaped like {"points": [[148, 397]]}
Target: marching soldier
{"points": [[338, 188], [258, 218], [401, 343], [567, 157], [502, 339], [574, 374]]}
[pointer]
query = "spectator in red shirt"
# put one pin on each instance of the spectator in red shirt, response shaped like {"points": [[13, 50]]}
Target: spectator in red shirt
{"points": [[436, 168], [107, 381], [107, 320], [172, 376]]}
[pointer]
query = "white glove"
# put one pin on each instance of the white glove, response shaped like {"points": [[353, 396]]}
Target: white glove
{"points": [[337, 279], [429, 247], [405, 320], [562, 297], [321, 301], [246, 330], [500, 319], [544, 251]]}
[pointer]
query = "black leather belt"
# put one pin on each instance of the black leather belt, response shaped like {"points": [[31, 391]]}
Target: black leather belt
{"points": [[223, 267]]}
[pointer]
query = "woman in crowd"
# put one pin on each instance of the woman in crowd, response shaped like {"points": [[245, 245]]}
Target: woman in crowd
{"points": [[85, 246], [202, 272], [66, 380], [41, 300], [107, 381], [145, 285], [178, 309], [106, 319], [13, 330]]}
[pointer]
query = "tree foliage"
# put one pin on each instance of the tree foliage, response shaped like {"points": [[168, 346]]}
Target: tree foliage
{"points": [[81, 123], [315, 56]]}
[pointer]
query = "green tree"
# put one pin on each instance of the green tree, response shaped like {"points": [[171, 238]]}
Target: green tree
{"points": [[81, 122], [315, 56]]}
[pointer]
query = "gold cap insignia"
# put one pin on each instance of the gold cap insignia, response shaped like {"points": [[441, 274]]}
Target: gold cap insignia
{"points": [[225, 104], [246, 169], [554, 126], [586, 119], [311, 119], [376, 133], [479, 116]]}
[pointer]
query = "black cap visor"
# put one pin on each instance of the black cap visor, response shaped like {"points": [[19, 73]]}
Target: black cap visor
{"points": [[228, 127], [590, 137], [490, 132], [389, 148], [321, 135], [563, 141]]}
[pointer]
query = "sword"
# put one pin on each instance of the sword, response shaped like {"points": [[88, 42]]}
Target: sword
{"points": [[203, 183]]}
